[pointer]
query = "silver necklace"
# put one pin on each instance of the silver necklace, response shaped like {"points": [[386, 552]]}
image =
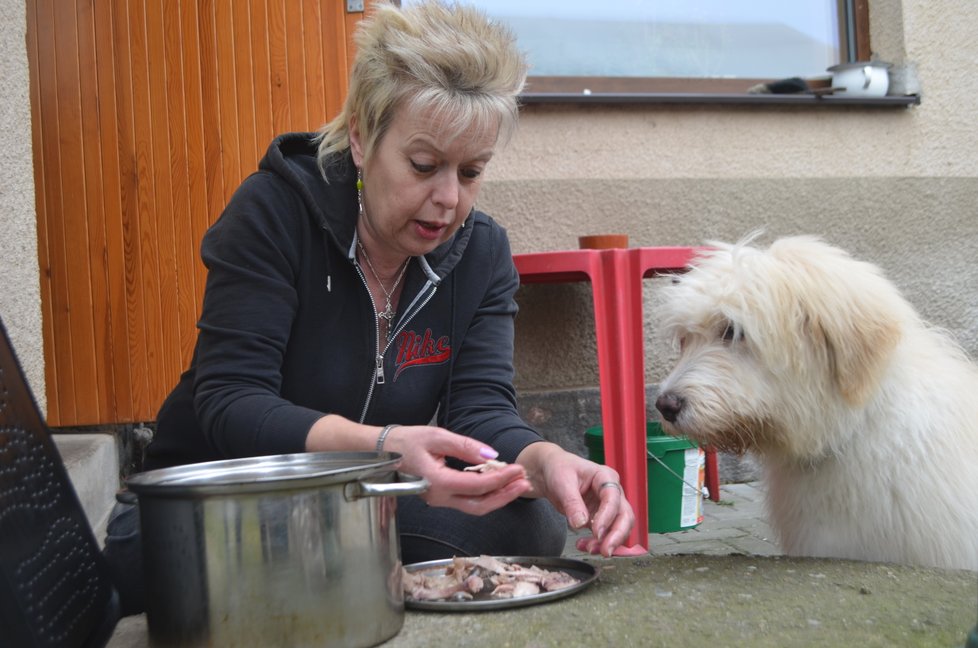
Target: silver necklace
{"points": [[388, 313]]}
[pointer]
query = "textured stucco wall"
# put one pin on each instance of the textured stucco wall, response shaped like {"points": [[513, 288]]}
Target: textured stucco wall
{"points": [[923, 232], [897, 187], [20, 301]]}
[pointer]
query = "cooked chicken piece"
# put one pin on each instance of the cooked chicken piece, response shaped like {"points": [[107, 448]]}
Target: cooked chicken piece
{"points": [[466, 578], [492, 464]]}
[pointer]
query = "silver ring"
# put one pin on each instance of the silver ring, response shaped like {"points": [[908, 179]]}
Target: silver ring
{"points": [[612, 485]]}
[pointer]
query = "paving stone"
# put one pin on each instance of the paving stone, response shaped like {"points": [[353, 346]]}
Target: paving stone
{"points": [[662, 540], [705, 532], [746, 491], [735, 514], [753, 545]]}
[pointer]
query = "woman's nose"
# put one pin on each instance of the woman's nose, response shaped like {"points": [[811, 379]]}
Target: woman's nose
{"points": [[446, 191]]}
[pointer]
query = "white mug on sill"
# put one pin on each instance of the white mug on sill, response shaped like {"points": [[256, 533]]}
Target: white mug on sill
{"points": [[861, 79]]}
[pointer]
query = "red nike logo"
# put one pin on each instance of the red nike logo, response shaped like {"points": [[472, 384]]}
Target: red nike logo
{"points": [[414, 350]]}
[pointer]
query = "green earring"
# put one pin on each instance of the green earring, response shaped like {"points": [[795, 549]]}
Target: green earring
{"points": [[360, 189]]}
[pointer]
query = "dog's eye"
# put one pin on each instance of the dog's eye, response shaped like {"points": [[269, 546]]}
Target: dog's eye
{"points": [[732, 333]]}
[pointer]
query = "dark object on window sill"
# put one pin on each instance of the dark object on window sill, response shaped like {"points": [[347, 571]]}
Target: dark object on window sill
{"points": [[794, 85], [811, 98]]}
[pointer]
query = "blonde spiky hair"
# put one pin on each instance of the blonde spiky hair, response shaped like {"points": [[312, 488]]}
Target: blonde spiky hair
{"points": [[449, 61]]}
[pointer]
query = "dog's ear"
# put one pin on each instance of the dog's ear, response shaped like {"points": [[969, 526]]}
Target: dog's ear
{"points": [[851, 311], [858, 346]]}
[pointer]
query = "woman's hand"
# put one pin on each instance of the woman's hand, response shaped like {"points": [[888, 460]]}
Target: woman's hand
{"points": [[424, 450], [588, 494]]}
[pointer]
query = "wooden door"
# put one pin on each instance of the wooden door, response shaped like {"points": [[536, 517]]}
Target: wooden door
{"points": [[147, 114]]}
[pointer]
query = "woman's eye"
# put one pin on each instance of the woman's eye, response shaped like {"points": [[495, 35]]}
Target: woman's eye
{"points": [[422, 168], [471, 173]]}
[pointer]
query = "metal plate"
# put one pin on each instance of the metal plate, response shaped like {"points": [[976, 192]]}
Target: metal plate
{"points": [[585, 572]]}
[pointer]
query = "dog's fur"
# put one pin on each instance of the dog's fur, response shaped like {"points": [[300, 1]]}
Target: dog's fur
{"points": [[864, 418]]}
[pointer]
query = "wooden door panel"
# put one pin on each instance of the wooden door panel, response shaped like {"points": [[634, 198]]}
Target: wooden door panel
{"points": [[147, 114]]}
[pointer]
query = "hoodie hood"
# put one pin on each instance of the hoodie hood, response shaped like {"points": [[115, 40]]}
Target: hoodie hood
{"points": [[331, 198]]}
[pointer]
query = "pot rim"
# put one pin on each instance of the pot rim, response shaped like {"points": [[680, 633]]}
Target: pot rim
{"points": [[859, 64], [263, 474]]}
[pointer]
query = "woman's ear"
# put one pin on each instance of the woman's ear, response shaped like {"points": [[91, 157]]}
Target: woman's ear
{"points": [[356, 144]]}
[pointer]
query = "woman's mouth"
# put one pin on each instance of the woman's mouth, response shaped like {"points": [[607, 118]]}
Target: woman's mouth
{"points": [[428, 230]]}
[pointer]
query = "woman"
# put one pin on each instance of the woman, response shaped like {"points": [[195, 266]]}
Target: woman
{"points": [[354, 295]]}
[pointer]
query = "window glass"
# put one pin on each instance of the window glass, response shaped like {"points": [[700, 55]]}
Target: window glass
{"points": [[704, 39]]}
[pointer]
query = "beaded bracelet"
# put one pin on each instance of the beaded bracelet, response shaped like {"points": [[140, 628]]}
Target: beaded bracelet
{"points": [[383, 435]]}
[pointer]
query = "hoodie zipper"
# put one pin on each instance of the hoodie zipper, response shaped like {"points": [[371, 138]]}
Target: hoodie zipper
{"points": [[378, 377]]}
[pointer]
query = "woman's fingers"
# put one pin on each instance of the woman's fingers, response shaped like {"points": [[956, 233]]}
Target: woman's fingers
{"points": [[482, 504], [477, 493], [611, 518], [618, 533], [590, 545], [610, 495]]}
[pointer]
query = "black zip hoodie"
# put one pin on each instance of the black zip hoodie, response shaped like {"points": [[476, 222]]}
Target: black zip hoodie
{"points": [[288, 334]]}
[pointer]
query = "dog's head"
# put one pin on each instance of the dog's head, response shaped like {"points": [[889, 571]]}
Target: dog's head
{"points": [[773, 343]]}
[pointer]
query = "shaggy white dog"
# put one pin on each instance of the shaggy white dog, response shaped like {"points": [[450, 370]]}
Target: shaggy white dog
{"points": [[864, 419]]}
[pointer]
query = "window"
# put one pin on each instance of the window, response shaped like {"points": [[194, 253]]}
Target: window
{"points": [[668, 46]]}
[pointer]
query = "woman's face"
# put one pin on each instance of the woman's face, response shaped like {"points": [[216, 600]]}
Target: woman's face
{"points": [[418, 185]]}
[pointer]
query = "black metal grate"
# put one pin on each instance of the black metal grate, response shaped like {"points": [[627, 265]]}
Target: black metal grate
{"points": [[54, 585]]}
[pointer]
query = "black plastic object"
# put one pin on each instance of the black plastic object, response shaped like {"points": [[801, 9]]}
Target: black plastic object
{"points": [[788, 86], [55, 588]]}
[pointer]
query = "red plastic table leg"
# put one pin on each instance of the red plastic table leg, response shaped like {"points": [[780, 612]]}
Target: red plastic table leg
{"points": [[712, 474], [617, 291]]}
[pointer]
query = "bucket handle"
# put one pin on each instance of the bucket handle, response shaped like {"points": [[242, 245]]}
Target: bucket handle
{"points": [[357, 489], [674, 473]]}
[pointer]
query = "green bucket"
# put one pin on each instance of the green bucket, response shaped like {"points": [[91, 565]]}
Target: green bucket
{"points": [[676, 466]]}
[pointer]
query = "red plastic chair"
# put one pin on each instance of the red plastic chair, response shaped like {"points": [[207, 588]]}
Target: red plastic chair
{"points": [[616, 281]]}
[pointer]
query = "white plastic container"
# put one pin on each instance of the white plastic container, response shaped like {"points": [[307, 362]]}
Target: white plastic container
{"points": [[865, 79]]}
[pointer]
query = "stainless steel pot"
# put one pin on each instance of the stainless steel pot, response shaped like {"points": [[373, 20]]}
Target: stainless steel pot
{"points": [[288, 550]]}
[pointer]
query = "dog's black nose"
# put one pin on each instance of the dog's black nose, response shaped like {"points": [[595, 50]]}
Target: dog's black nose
{"points": [[669, 405]]}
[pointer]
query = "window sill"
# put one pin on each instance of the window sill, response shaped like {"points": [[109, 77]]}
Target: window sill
{"points": [[718, 99]]}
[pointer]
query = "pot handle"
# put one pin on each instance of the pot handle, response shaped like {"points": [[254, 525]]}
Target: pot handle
{"points": [[357, 489], [867, 75]]}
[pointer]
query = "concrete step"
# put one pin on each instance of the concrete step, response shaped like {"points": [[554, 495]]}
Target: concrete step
{"points": [[92, 461]]}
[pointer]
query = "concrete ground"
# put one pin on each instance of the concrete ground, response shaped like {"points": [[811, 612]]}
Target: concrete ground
{"points": [[723, 583]]}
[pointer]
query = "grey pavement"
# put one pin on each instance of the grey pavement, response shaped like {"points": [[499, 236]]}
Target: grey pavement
{"points": [[734, 525]]}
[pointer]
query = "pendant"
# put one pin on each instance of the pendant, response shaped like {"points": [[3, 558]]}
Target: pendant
{"points": [[387, 313]]}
